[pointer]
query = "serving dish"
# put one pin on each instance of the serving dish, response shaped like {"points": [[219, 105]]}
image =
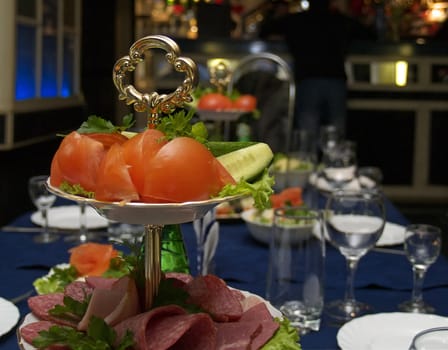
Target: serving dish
{"points": [[385, 331], [260, 226]]}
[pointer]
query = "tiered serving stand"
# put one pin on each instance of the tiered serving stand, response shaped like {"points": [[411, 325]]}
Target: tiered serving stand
{"points": [[152, 216]]}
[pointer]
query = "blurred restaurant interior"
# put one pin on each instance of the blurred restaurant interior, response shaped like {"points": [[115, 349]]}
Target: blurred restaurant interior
{"points": [[58, 55]]}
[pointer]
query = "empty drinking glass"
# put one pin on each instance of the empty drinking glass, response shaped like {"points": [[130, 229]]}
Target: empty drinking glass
{"points": [[422, 246], [43, 199]]}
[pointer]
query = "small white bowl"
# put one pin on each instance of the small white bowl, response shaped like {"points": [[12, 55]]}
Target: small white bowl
{"points": [[262, 231]]}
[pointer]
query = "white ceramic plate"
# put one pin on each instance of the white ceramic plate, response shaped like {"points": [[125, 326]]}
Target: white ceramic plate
{"points": [[66, 217], [9, 316], [393, 234], [385, 331]]}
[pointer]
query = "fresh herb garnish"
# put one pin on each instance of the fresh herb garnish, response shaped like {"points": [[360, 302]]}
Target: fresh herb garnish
{"points": [[100, 336], [260, 190], [71, 309], [76, 189], [96, 124], [179, 124], [56, 280]]}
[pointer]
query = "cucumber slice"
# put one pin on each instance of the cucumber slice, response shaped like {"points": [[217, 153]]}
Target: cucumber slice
{"points": [[218, 148], [246, 163]]}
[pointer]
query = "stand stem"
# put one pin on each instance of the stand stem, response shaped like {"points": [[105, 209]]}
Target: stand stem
{"points": [[153, 273]]}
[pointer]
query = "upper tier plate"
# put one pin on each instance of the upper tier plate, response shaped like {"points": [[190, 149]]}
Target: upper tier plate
{"points": [[147, 213]]}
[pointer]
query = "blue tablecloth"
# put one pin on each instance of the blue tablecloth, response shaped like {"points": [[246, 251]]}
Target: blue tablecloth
{"points": [[382, 280]]}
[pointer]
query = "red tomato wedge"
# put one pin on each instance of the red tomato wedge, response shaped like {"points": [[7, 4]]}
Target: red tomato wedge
{"points": [[108, 139], [77, 161], [291, 196], [114, 182], [183, 170], [139, 150], [92, 259]]}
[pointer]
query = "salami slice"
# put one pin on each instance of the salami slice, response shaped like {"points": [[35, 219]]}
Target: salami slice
{"points": [[40, 306], [30, 331], [170, 326], [212, 295]]}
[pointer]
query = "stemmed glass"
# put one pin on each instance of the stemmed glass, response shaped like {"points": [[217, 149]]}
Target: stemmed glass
{"points": [[43, 200], [422, 246], [329, 137], [354, 223], [83, 235]]}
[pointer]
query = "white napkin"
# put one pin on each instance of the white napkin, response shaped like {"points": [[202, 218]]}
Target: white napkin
{"points": [[207, 237]]}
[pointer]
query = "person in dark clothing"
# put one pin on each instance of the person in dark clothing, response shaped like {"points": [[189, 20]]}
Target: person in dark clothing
{"points": [[318, 40]]}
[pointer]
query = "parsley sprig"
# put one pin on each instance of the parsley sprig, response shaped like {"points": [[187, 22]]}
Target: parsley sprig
{"points": [[96, 124]]}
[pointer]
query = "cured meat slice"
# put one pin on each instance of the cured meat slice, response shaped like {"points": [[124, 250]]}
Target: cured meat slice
{"points": [[78, 290], [236, 335], [30, 331], [213, 296], [113, 302], [40, 306], [260, 313], [169, 326]]}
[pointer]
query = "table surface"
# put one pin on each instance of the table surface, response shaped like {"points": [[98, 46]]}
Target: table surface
{"points": [[383, 280]]}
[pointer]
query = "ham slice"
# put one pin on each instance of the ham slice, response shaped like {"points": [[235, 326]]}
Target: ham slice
{"points": [[113, 301], [169, 326], [213, 296]]}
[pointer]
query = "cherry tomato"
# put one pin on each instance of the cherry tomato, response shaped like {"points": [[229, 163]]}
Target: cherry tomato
{"points": [[77, 161], [215, 102], [245, 103], [114, 182], [183, 170]]}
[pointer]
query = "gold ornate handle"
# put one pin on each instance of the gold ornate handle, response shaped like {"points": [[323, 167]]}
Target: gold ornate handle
{"points": [[154, 103]]}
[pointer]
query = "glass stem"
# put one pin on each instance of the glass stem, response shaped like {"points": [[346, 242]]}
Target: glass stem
{"points": [[45, 217], [352, 265], [82, 222], [419, 276]]}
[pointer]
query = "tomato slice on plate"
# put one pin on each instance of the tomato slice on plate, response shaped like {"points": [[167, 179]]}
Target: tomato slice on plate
{"points": [[114, 182], [77, 161], [183, 170]]}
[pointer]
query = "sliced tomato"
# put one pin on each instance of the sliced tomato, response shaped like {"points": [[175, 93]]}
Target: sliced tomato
{"points": [[114, 181], [77, 161], [139, 150], [245, 103], [291, 196], [214, 102], [183, 170], [108, 139]]}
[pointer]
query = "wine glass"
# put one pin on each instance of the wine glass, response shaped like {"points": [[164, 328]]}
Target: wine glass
{"points": [[354, 223], [329, 137], [43, 199], [422, 246], [82, 235]]}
